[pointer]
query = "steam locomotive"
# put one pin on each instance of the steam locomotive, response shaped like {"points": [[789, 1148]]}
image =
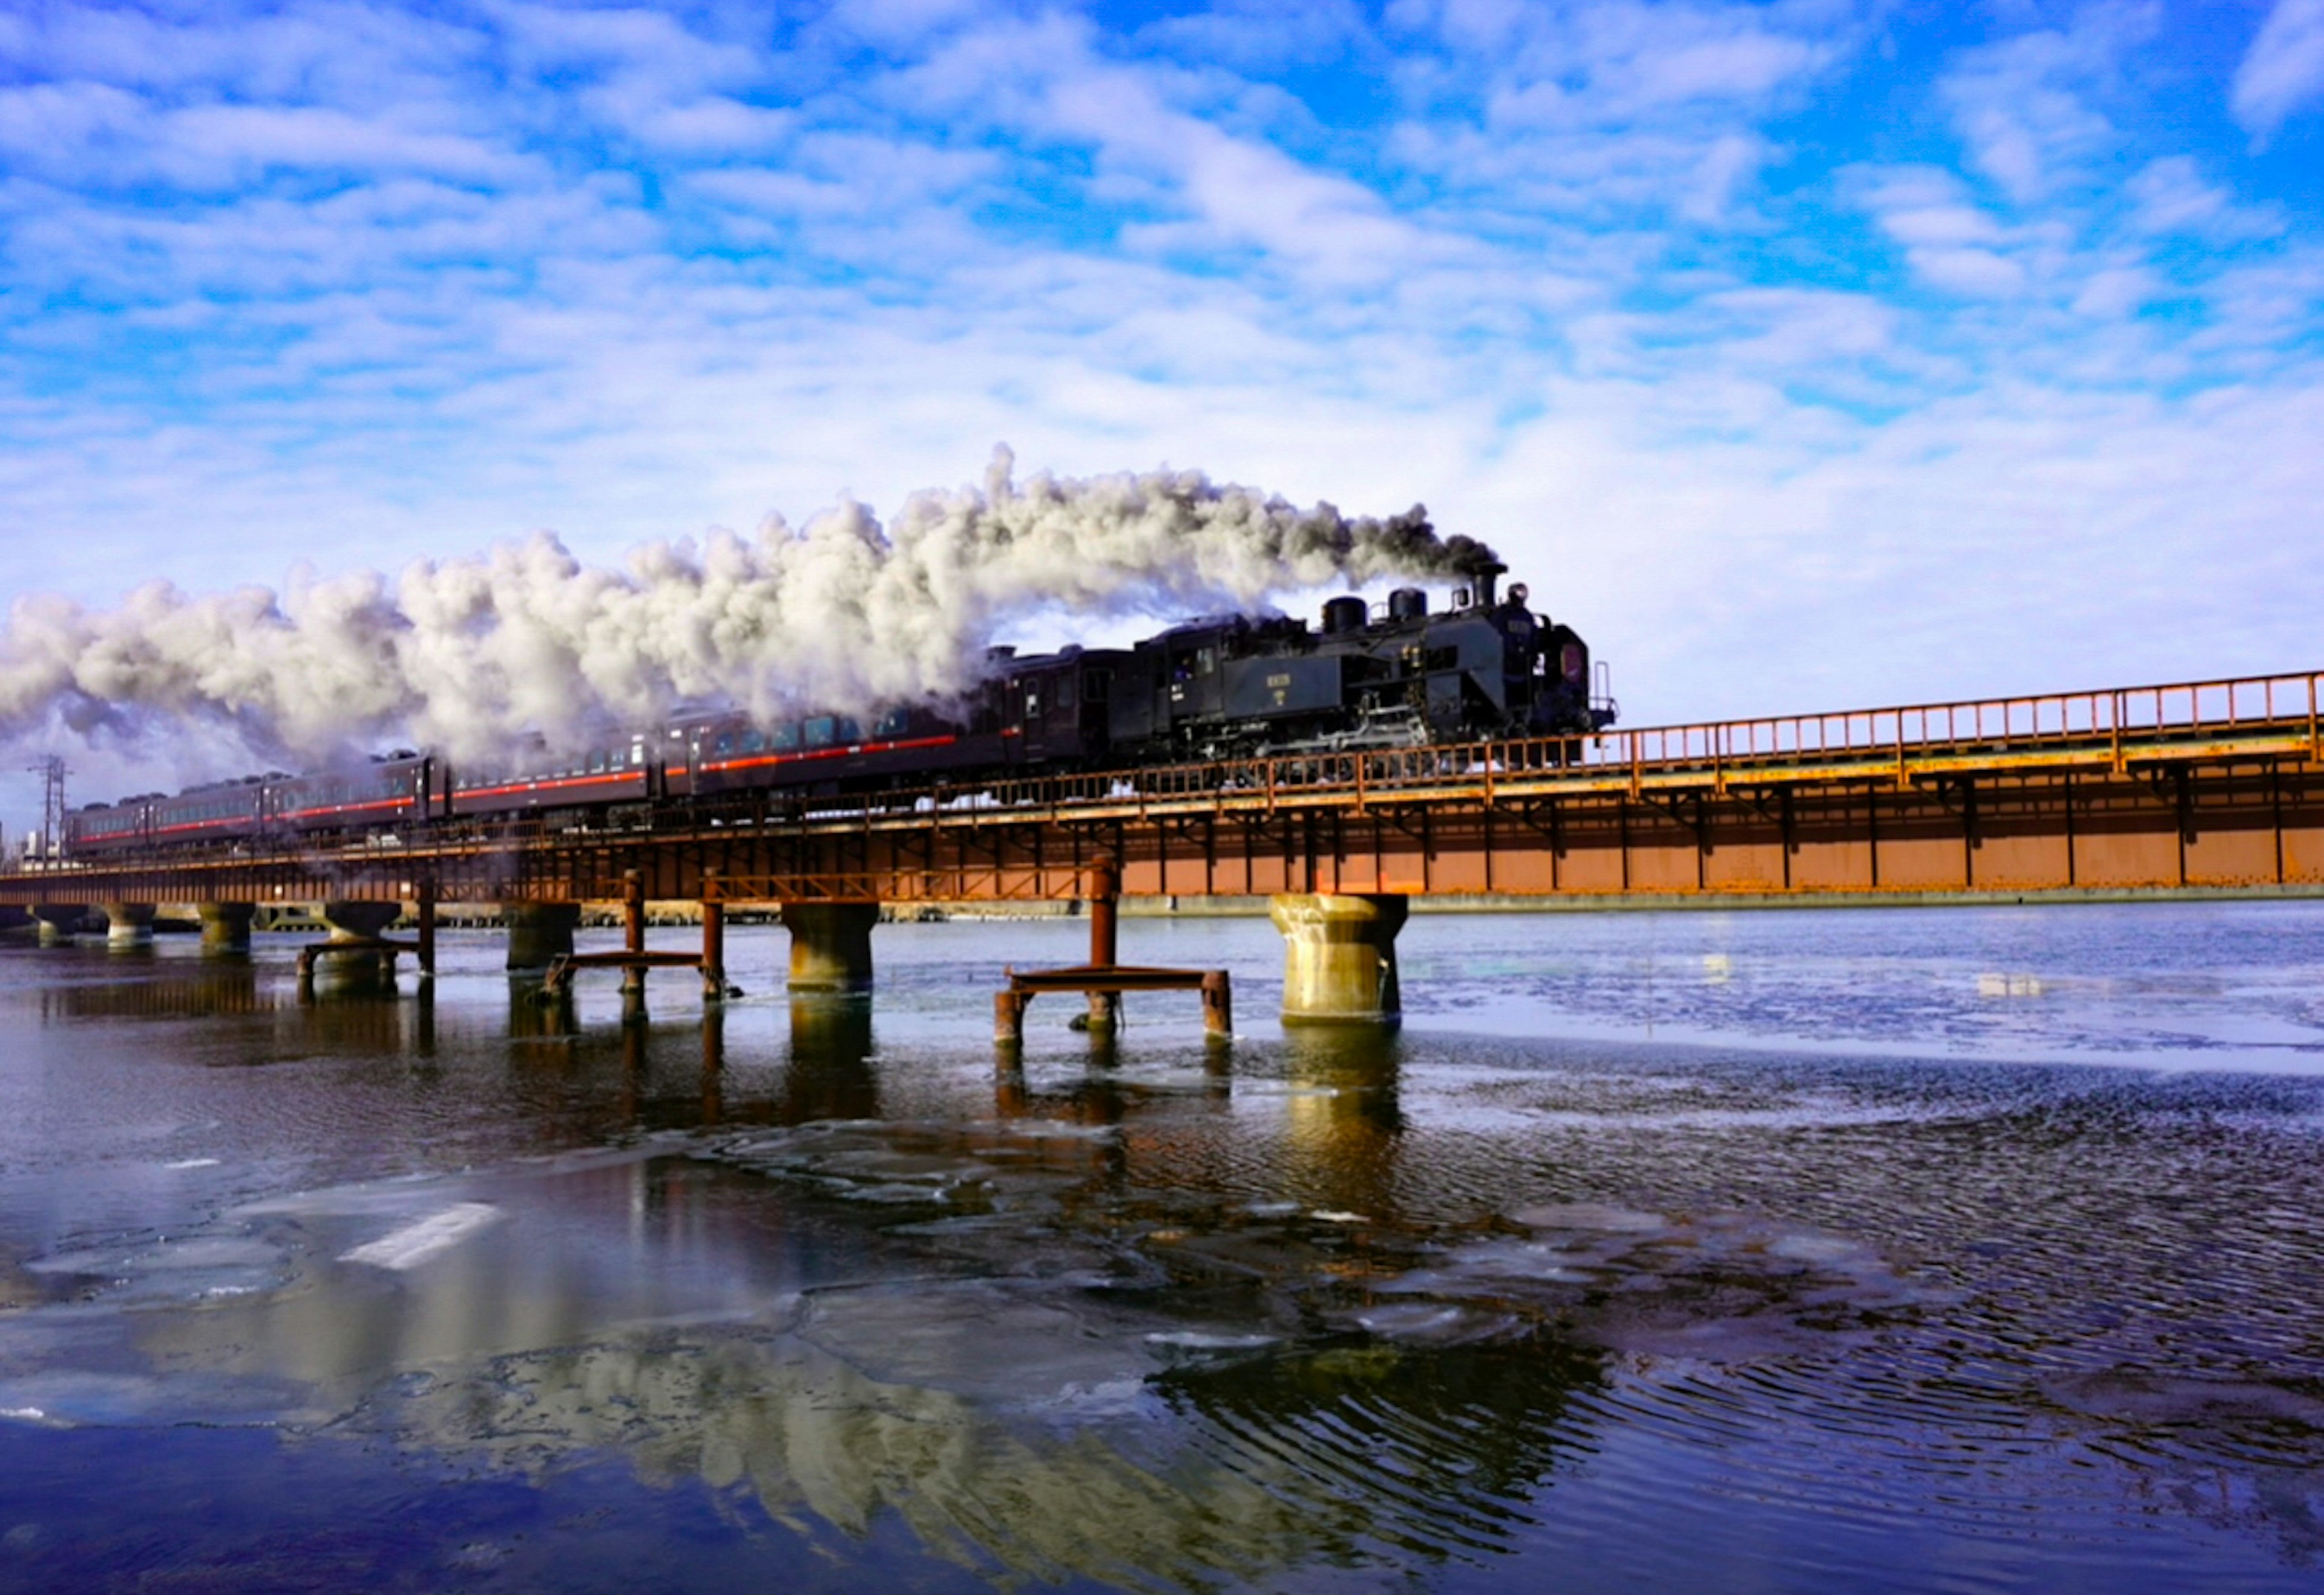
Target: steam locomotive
{"points": [[1485, 669]]}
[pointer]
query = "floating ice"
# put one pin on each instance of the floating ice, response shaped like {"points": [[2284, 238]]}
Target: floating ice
{"points": [[1589, 1215], [431, 1236]]}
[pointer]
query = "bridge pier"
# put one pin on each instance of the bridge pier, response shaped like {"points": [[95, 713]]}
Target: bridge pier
{"points": [[127, 925], [426, 949], [226, 926], [1105, 942], [633, 940], [359, 920], [713, 941], [540, 933], [1339, 957], [355, 925], [58, 921], [831, 945]]}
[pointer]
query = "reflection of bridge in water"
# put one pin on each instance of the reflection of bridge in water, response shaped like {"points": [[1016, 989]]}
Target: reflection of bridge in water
{"points": [[809, 1356], [2213, 786]]}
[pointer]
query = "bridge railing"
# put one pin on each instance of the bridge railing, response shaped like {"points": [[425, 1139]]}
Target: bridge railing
{"points": [[2115, 722], [2030, 723]]}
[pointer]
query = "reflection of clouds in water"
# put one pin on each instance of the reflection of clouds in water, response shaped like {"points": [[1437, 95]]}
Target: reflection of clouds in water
{"points": [[1111, 1414], [1308, 1315], [1267, 1478]]}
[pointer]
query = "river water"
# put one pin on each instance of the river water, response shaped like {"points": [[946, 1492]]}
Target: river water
{"points": [[1946, 1249]]}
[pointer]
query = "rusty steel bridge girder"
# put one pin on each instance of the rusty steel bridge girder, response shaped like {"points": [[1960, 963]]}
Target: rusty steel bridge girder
{"points": [[2213, 786]]}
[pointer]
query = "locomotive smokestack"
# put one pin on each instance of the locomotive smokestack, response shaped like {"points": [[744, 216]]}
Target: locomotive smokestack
{"points": [[1486, 574]]}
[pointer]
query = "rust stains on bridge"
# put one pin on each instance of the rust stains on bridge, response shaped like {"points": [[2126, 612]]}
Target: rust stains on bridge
{"points": [[2216, 784]]}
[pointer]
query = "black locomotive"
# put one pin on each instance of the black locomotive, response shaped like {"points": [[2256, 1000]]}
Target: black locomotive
{"points": [[1486, 668]]}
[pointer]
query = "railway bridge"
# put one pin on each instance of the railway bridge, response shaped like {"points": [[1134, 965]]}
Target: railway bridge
{"points": [[2206, 786]]}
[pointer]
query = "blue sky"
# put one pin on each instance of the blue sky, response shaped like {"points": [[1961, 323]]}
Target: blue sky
{"points": [[1801, 354]]}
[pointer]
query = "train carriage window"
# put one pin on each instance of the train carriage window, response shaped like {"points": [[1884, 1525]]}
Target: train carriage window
{"points": [[724, 745], [893, 724], [1099, 686], [786, 737], [1032, 701], [754, 740], [821, 731], [597, 763], [1065, 691], [848, 731]]}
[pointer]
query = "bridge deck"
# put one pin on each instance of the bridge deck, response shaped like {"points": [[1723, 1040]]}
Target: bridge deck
{"points": [[2202, 784]]}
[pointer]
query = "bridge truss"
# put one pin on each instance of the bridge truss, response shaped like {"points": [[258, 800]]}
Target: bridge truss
{"points": [[2213, 785]]}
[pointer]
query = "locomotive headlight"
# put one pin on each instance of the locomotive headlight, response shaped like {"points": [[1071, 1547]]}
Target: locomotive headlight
{"points": [[1519, 592]]}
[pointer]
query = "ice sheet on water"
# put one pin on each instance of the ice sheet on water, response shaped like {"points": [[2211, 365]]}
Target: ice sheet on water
{"points": [[1423, 1324], [423, 1241], [1589, 1215], [195, 1266], [1000, 1341]]}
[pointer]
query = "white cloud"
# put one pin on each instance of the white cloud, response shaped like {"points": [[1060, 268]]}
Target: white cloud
{"points": [[2033, 408], [2172, 197], [2021, 106], [2283, 70], [226, 146], [1259, 35]]}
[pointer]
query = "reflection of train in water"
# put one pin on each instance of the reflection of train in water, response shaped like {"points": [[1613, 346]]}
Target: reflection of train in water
{"points": [[1485, 669]]}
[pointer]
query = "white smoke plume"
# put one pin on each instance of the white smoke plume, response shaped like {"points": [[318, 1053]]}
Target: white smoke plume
{"points": [[470, 655]]}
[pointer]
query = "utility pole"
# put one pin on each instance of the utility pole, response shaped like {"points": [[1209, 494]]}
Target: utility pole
{"points": [[52, 771]]}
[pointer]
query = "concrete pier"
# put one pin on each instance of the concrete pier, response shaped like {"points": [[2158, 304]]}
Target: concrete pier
{"points": [[540, 933], [1339, 957], [831, 945], [127, 925], [359, 919], [58, 921], [359, 959], [226, 926]]}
